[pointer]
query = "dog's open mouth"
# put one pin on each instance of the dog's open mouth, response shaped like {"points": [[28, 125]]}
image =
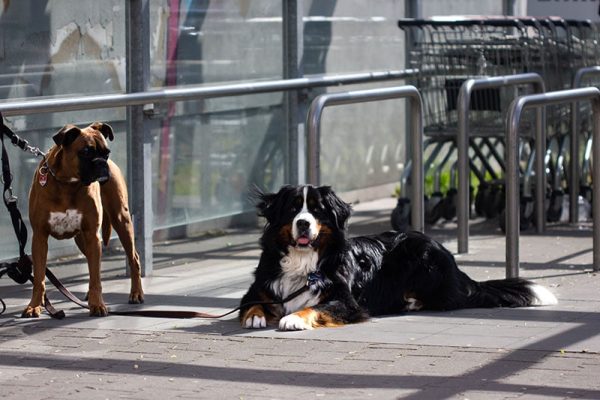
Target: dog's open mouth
{"points": [[303, 241]]}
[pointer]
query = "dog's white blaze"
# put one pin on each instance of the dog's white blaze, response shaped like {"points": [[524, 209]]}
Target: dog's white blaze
{"points": [[293, 322], [543, 297], [307, 216], [295, 267], [65, 222]]}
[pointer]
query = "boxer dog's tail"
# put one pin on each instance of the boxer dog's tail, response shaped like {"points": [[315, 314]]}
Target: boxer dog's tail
{"points": [[106, 228]]}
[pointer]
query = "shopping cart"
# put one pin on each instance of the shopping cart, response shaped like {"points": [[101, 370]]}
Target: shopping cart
{"points": [[447, 51]]}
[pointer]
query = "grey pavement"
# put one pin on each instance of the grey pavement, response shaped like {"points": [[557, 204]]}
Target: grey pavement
{"points": [[526, 353]]}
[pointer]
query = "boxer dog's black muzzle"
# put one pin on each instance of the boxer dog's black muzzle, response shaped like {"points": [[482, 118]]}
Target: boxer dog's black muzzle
{"points": [[93, 166]]}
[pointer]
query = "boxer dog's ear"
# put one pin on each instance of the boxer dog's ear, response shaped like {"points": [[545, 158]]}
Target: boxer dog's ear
{"points": [[66, 135], [105, 129]]}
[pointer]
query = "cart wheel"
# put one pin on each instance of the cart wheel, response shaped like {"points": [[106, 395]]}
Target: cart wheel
{"points": [[400, 217], [481, 198], [555, 207], [526, 215], [471, 201], [586, 192], [432, 208], [449, 209], [526, 212], [495, 203]]}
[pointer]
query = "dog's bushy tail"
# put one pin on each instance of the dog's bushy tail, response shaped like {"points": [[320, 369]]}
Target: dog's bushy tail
{"points": [[510, 293], [106, 228]]}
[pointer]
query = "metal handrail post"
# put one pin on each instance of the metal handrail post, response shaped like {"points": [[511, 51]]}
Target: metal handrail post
{"points": [[462, 144], [574, 167], [313, 127], [512, 174], [295, 104], [139, 140]]}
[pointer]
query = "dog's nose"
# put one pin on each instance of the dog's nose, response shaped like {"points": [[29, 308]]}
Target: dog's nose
{"points": [[302, 225]]}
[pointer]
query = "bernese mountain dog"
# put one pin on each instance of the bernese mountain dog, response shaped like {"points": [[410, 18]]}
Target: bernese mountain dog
{"points": [[311, 275]]}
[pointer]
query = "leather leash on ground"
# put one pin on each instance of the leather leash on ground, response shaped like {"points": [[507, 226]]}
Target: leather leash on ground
{"points": [[180, 314]]}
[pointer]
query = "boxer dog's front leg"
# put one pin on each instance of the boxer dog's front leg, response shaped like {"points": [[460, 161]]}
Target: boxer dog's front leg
{"points": [[93, 249], [39, 255]]}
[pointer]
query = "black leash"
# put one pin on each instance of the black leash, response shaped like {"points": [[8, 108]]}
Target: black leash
{"points": [[19, 270]]}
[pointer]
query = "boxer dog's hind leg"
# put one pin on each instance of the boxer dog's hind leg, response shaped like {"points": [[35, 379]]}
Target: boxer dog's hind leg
{"points": [[115, 204]]}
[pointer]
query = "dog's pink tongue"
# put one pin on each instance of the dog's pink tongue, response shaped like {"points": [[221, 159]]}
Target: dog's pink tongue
{"points": [[303, 240]]}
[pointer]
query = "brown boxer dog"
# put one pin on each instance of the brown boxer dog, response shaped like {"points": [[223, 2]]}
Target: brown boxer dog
{"points": [[75, 190]]}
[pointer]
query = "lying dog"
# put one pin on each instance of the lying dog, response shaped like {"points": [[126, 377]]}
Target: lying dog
{"points": [[75, 190], [349, 279]]}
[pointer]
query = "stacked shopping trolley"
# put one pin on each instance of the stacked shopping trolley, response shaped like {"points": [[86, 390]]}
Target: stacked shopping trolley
{"points": [[447, 52]]}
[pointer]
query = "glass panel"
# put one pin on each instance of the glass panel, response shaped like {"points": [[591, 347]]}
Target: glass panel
{"points": [[57, 48], [361, 145], [201, 41], [203, 170], [206, 153], [61, 47]]}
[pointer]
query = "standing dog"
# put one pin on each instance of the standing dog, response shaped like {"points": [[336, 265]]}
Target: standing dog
{"points": [[75, 190], [349, 279]]}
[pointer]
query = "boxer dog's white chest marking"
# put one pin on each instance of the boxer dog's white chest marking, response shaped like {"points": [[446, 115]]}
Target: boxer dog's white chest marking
{"points": [[65, 222]]}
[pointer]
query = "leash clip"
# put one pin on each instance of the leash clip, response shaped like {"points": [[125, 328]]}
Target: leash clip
{"points": [[9, 197]]}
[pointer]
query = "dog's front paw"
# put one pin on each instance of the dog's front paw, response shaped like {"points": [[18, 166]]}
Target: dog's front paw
{"points": [[293, 322], [98, 310], [136, 297], [254, 318], [32, 312]]}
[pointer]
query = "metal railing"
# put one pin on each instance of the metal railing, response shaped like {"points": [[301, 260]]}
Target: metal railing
{"points": [[149, 98], [193, 93], [512, 165], [462, 144], [574, 148], [313, 127]]}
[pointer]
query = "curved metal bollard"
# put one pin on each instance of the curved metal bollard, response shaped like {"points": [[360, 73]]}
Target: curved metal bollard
{"points": [[313, 128], [512, 165], [462, 144], [574, 148]]}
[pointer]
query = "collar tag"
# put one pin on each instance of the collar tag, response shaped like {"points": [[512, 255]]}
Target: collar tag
{"points": [[43, 176]]}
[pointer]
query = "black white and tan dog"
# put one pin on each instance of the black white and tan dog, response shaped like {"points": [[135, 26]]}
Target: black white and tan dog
{"points": [[349, 279], [76, 190]]}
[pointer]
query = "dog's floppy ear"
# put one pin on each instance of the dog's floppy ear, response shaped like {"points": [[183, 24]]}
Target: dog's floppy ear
{"points": [[340, 209], [66, 135], [105, 129], [263, 201]]}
